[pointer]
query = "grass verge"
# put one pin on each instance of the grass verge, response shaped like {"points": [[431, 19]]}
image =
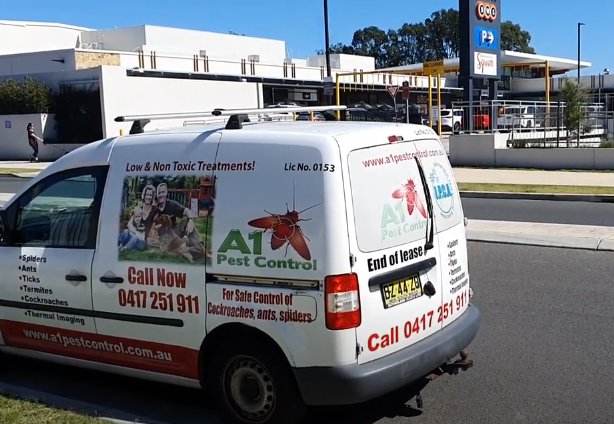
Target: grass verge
{"points": [[603, 171], [19, 170], [529, 188], [20, 411]]}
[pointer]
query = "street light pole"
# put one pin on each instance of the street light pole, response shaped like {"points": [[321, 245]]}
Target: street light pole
{"points": [[327, 51], [580, 25]]}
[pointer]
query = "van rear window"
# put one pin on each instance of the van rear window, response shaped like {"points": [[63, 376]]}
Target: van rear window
{"points": [[387, 195]]}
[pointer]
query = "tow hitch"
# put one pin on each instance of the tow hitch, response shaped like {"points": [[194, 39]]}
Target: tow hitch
{"points": [[451, 368]]}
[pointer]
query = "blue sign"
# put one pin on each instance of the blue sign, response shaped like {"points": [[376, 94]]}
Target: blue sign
{"points": [[7, 124], [486, 38]]}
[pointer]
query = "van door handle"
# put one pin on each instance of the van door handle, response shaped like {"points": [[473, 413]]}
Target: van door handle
{"points": [[112, 280], [78, 278]]}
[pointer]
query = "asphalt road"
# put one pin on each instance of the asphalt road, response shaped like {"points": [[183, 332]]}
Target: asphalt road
{"points": [[556, 212], [548, 211], [12, 184], [543, 355]]}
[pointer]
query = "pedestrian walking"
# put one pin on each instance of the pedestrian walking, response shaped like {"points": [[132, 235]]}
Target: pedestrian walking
{"points": [[33, 140]]}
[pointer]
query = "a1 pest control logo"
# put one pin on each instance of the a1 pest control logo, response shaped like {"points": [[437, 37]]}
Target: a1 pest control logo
{"points": [[285, 232], [406, 215], [410, 196], [444, 193]]}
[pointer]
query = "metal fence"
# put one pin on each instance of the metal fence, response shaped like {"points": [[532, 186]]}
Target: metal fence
{"points": [[534, 124]]}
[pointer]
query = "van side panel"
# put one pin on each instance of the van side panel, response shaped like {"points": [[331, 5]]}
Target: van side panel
{"points": [[150, 262], [279, 229]]}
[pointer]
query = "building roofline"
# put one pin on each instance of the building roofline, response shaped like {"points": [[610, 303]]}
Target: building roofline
{"points": [[508, 57], [43, 24]]}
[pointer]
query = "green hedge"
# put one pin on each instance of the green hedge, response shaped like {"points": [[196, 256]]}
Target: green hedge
{"points": [[78, 116], [24, 97]]}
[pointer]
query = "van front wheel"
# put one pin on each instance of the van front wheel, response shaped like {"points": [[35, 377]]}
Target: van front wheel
{"points": [[253, 384]]}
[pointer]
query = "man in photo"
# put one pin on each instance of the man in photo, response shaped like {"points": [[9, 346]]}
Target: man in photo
{"points": [[177, 212]]}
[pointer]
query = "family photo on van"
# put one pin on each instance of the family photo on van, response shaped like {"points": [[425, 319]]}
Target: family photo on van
{"points": [[166, 219]]}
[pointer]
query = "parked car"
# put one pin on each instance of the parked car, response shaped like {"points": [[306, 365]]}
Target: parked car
{"points": [[310, 116], [517, 117], [361, 114], [451, 119]]}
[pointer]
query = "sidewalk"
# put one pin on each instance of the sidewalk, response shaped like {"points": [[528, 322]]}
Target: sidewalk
{"points": [[524, 177], [463, 175]]}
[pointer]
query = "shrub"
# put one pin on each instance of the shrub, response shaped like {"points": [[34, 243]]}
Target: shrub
{"points": [[24, 97]]}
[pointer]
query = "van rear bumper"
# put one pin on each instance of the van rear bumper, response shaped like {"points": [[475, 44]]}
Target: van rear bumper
{"points": [[351, 384]]}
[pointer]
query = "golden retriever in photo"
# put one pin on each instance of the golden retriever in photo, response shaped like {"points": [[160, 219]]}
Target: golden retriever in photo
{"points": [[171, 243]]}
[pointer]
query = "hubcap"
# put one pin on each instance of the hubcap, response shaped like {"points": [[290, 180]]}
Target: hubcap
{"points": [[249, 389]]}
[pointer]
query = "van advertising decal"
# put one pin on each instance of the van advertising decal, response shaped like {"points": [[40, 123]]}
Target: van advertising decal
{"points": [[260, 304], [401, 256], [405, 216], [119, 351], [444, 193], [166, 219], [411, 197], [277, 232]]}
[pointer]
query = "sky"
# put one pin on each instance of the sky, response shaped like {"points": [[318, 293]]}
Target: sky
{"points": [[300, 24]]}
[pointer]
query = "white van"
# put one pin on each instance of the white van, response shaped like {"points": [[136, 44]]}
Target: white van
{"points": [[277, 265]]}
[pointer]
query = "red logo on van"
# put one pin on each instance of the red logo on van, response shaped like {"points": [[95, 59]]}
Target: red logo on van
{"points": [[285, 230], [412, 198]]}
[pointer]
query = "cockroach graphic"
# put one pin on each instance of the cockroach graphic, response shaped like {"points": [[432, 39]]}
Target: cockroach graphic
{"points": [[285, 229], [412, 198]]}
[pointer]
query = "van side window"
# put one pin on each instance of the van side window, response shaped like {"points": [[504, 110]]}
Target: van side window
{"points": [[60, 211]]}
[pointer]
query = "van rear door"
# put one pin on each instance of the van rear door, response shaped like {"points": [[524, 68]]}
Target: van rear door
{"points": [[450, 229], [388, 221]]}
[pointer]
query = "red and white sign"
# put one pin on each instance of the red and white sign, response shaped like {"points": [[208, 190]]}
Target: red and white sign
{"points": [[406, 93], [485, 64], [393, 90]]}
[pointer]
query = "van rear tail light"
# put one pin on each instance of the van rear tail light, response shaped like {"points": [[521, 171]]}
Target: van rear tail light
{"points": [[342, 302]]}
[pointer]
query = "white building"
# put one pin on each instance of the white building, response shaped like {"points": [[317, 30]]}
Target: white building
{"points": [[150, 69]]}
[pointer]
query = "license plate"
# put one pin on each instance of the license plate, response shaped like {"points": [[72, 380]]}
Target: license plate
{"points": [[401, 291]]}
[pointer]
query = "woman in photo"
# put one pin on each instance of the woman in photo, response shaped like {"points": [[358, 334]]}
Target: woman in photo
{"points": [[150, 210]]}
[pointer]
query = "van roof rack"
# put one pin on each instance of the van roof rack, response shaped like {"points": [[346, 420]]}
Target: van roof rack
{"points": [[235, 121]]}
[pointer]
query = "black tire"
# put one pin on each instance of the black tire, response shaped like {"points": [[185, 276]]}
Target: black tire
{"points": [[456, 127], [259, 364]]}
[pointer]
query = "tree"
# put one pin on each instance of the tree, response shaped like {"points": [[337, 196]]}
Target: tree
{"points": [[576, 98], [436, 38], [514, 38]]}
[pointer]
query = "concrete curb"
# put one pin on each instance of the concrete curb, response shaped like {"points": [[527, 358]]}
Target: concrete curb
{"points": [[566, 242], [82, 408], [594, 198], [20, 175]]}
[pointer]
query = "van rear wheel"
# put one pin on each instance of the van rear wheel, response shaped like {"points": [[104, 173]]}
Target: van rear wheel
{"points": [[253, 384]]}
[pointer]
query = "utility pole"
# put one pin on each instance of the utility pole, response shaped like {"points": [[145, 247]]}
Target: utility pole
{"points": [[580, 25], [327, 50]]}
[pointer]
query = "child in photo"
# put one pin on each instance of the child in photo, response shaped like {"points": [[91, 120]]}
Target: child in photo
{"points": [[133, 237]]}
